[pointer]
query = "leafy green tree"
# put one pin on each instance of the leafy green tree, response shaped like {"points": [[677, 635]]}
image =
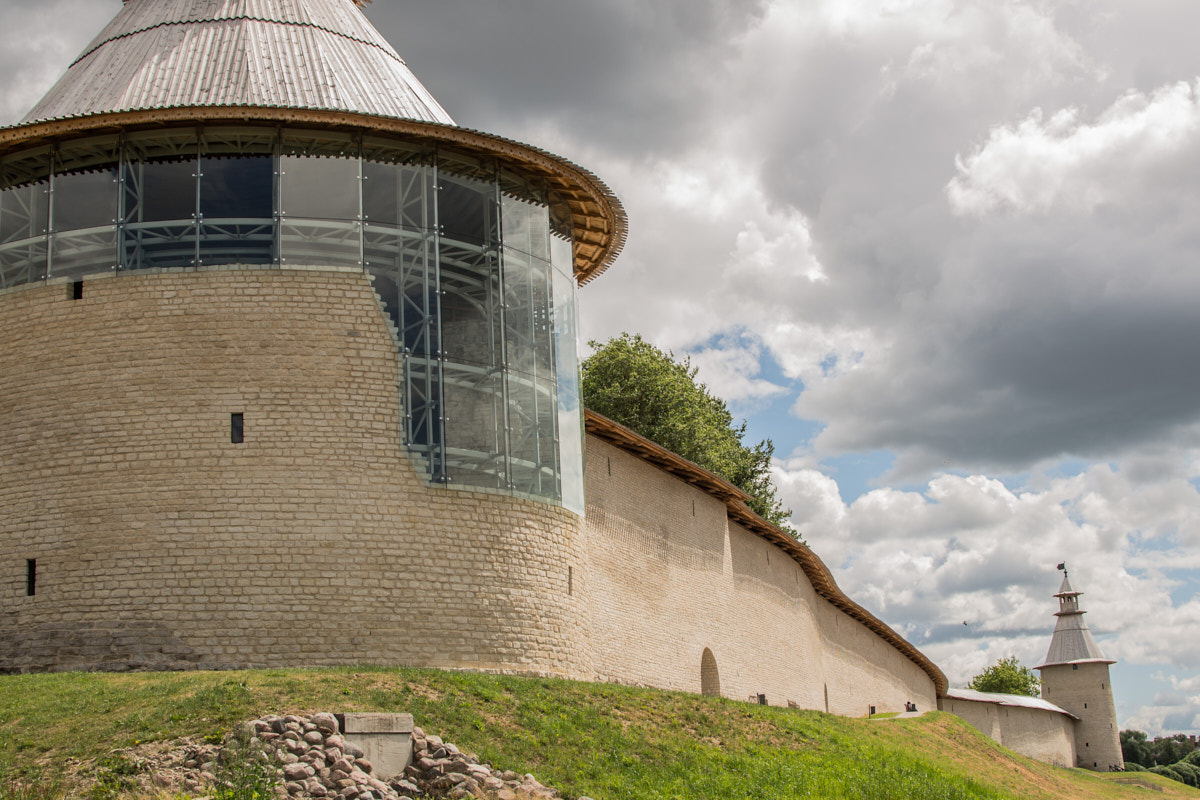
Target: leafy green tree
{"points": [[1007, 676], [632, 382], [1135, 749], [1170, 749]]}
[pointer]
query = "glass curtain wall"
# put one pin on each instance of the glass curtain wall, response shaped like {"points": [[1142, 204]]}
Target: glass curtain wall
{"points": [[472, 265]]}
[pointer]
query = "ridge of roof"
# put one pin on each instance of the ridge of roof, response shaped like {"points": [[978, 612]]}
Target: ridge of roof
{"points": [[735, 499], [96, 45]]}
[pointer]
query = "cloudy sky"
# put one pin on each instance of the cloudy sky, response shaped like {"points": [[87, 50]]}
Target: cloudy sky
{"points": [[942, 252]]}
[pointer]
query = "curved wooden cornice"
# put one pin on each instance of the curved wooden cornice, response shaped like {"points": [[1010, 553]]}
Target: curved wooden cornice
{"points": [[598, 219], [735, 501]]}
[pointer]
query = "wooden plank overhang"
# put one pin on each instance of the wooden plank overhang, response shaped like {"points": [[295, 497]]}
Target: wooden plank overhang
{"points": [[735, 502], [598, 220]]}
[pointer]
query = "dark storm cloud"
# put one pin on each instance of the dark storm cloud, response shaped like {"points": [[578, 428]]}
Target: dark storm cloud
{"points": [[633, 74]]}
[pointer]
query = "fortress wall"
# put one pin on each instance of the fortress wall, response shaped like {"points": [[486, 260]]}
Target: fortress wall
{"points": [[1086, 691], [1045, 735], [671, 576], [159, 543], [863, 670]]}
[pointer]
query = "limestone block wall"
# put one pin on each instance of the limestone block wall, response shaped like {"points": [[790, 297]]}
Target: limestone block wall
{"points": [[160, 543], [1045, 735], [683, 598], [1086, 691]]}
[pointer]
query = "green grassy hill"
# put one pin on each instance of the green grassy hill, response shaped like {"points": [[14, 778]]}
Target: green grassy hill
{"points": [[606, 742]]}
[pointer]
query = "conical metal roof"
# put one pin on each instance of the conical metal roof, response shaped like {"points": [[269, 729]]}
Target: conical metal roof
{"points": [[1072, 642], [304, 54]]}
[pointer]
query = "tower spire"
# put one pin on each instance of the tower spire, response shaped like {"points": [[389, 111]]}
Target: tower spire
{"points": [[1072, 642]]}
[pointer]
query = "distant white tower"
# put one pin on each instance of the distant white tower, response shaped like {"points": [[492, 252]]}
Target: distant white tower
{"points": [[1075, 678]]}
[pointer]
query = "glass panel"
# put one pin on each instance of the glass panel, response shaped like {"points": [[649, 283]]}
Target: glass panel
{"points": [[86, 252], [160, 190], [527, 227], [561, 256], [326, 144], [88, 155], [474, 426], [24, 211], [319, 188], [401, 264], [398, 195], [237, 188], [22, 262], [158, 245], [570, 412], [320, 242], [467, 210], [522, 434], [237, 242], [239, 141], [25, 167], [86, 199], [396, 151], [470, 306]]}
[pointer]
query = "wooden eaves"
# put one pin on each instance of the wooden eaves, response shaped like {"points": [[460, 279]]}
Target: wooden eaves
{"points": [[735, 502]]}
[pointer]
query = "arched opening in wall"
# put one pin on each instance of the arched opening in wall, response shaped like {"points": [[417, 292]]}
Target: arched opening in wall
{"points": [[710, 679]]}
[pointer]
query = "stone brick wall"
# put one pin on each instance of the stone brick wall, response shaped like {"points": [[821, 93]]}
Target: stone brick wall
{"points": [[1087, 693], [671, 577], [161, 544], [1047, 736]]}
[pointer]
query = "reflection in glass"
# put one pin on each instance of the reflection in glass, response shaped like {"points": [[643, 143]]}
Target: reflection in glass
{"points": [[160, 190], [467, 210], [397, 195], [158, 245], [83, 252], [237, 188], [24, 211], [324, 242], [22, 262], [318, 188], [85, 199]]}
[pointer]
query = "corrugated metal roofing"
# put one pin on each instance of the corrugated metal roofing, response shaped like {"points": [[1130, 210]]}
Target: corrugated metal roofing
{"points": [[1005, 700], [312, 54]]}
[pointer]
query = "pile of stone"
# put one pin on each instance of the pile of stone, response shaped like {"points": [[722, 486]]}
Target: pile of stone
{"points": [[440, 769], [317, 761]]}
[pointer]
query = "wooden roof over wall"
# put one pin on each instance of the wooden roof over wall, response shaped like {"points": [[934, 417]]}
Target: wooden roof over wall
{"points": [[735, 502]]}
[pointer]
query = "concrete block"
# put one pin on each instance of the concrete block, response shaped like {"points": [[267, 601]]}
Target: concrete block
{"points": [[386, 740]]}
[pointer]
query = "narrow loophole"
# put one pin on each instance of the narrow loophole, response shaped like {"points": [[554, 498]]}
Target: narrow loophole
{"points": [[237, 428], [30, 577]]}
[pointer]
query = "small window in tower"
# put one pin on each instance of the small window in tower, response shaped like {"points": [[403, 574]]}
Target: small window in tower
{"points": [[1074, 666], [237, 428], [1085, 705], [77, 290], [30, 577]]}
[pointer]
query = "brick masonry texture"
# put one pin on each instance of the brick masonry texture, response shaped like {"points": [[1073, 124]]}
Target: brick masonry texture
{"points": [[1045, 735], [1087, 693], [160, 544], [671, 576]]}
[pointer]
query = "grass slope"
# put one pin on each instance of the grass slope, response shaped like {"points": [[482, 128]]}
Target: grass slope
{"points": [[606, 742]]}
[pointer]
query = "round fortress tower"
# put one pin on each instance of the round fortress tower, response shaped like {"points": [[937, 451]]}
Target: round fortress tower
{"points": [[289, 359], [1075, 678]]}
